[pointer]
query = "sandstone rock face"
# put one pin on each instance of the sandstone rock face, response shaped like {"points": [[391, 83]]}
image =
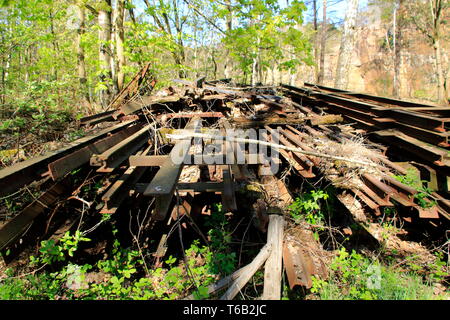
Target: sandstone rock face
{"points": [[372, 68]]}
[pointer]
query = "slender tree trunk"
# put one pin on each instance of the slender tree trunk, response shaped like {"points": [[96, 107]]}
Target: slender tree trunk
{"points": [[139, 50], [104, 21], [55, 46], [179, 39], [254, 70], [229, 24], [113, 53], [82, 78], [446, 77], [316, 41], [323, 40], [347, 45], [442, 94], [213, 58], [119, 21]]}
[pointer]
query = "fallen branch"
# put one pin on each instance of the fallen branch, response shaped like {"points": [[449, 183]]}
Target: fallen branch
{"points": [[270, 144], [249, 271], [222, 283]]}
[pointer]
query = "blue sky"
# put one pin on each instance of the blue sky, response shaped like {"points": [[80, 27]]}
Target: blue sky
{"points": [[335, 9]]}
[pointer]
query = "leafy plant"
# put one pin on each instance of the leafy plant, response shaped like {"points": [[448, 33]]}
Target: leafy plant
{"points": [[307, 207], [411, 179], [223, 261], [356, 277], [51, 252]]}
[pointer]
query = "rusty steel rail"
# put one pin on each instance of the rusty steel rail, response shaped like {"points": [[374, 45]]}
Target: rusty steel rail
{"points": [[97, 118], [114, 156], [383, 100], [123, 148], [16, 176], [15, 227]]}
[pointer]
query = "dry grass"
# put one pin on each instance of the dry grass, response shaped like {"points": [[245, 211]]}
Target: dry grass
{"points": [[346, 174]]}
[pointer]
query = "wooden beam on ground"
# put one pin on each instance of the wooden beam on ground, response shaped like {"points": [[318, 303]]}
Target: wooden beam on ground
{"points": [[273, 268], [148, 161], [222, 283], [250, 270]]}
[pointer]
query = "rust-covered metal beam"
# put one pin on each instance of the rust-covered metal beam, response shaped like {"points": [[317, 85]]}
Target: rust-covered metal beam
{"points": [[163, 184], [119, 190], [114, 156], [15, 227], [64, 165], [16, 176]]}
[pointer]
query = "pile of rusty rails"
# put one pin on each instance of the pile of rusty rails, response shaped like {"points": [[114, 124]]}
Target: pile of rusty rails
{"points": [[137, 141], [415, 131]]}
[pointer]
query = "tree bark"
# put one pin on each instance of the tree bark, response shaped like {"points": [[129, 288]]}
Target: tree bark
{"points": [[442, 94], [229, 24], [436, 7], [104, 22], [119, 21], [316, 41], [347, 45], [82, 78], [321, 76]]}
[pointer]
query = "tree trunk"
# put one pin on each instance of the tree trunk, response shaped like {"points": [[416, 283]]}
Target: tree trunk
{"points": [[399, 90], [179, 38], [104, 22], [229, 24], [119, 21], [213, 58], [82, 78], [55, 46], [316, 41], [442, 94], [321, 76], [347, 45], [254, 71]]}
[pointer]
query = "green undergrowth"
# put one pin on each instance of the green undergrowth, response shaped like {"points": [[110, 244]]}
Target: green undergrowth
{"points": [[123, 274], [354, 276], [423, 195], [376, 276], [120, 276]]}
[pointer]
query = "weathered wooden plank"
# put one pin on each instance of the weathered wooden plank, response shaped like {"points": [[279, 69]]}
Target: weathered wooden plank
{"points": [[273, 267], [222, 283], [148, 161], [248, 273]]}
